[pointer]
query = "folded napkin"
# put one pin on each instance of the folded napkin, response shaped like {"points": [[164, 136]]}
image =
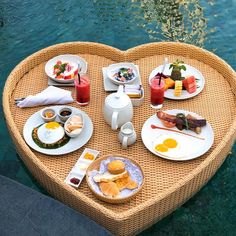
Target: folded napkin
{"points": [[51, 95]]}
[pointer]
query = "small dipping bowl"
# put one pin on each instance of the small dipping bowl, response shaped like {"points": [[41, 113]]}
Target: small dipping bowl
{"points": [[48, 114], [64, 113], [74, 133]]}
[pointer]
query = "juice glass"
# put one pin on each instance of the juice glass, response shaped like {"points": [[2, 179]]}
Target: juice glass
{"points": [[157, 93], [82, 90]]}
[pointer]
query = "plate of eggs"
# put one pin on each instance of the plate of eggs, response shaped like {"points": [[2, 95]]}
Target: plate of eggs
{"points": [[173, 144], [51, 137]]}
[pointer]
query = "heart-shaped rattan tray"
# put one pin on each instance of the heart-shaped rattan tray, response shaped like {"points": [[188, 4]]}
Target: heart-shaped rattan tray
{"points": [[167, 184]]}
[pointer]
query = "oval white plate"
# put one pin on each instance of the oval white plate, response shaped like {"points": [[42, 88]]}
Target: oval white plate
{"points": [[113, 68], [74, 143], [82, 64], [189, 71], [196, 147]]}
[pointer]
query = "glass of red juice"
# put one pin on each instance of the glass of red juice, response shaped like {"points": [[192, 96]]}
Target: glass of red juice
{"points": [[157, 92], [82, 90]]}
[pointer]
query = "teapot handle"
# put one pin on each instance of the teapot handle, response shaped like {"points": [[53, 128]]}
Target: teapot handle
{"points": [[125, 142], [114, 124]]}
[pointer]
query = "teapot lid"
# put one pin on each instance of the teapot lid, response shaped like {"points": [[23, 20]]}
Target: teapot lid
{"points": [[118, 100]]}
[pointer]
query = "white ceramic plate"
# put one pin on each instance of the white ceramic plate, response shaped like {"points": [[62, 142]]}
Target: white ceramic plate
{"points": [[74, 143], [189, 147], [82, 64], [189, 71], [114, 68]]}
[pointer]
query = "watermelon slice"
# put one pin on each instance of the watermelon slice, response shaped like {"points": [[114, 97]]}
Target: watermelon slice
{"points": [[189, 84]]}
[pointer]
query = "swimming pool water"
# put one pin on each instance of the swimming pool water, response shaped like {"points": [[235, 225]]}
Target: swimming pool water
{"points": [[28, 26]]}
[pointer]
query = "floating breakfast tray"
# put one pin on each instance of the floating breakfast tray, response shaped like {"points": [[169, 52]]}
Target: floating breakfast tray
{"points": [[168, 184]]}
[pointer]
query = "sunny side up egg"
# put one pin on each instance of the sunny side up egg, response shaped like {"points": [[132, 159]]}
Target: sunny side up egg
{"points": [[172, 146], [50, 133]]}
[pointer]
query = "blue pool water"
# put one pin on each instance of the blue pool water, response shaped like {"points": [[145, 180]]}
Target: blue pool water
{"points": [[28, 26]]}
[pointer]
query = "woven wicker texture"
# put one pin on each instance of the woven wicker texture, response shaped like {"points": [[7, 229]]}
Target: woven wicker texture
{"points": [[167, 184]]}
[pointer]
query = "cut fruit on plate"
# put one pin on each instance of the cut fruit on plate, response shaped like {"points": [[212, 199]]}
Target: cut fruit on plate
{"points": [[190, 71]]}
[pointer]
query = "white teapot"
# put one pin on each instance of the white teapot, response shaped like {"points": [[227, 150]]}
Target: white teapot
{"points": [[118, 109]]}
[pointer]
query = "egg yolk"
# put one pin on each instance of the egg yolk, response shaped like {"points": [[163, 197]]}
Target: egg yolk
{"points": [[52, 125], [161, 148], [170, 143]]}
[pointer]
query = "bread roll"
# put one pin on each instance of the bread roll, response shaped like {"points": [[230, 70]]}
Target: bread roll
{"points": [[116, 167]]}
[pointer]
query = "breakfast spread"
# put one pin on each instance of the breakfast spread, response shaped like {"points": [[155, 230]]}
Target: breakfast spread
{"points": [[78, 171], [117, 177]]}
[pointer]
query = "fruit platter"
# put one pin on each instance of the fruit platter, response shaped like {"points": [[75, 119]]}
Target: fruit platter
{"points": [[182, 81], [65, 68]]}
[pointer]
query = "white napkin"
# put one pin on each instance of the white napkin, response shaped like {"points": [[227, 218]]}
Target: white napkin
{"points": [[50, 95]]}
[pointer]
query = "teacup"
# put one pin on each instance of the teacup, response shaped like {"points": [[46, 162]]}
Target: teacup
{"points": [[127, 134]]}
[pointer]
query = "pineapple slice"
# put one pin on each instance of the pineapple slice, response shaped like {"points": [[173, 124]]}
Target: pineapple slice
{"points": [[178, 88]]}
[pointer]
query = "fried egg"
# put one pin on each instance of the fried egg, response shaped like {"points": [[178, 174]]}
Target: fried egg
{"points": [[50, 132], [171, 145]]}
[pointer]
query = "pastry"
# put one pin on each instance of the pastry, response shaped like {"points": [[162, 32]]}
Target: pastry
{"points": [[132, 184], [122, 182], [109, 189], [126, 182], [108, 177], [116, 167]]}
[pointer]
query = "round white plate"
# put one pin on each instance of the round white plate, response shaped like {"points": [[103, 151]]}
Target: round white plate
{"points": [[113, 68], [74, 143], [191, 147], [82, 64], [169, 93]]}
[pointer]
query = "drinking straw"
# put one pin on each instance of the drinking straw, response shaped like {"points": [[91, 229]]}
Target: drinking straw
{"points": [[163, 68], [79, 77]]}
